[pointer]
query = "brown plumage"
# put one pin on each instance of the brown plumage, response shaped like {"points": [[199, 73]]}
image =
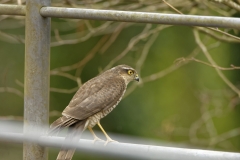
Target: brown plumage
{"points": [[93, 101]]}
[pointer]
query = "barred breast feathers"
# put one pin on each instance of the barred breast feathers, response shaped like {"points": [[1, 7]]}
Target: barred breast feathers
{"points": [[94, 119]]}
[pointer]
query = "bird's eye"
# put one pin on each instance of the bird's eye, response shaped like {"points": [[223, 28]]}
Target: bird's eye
{"points": [[130, 72]]}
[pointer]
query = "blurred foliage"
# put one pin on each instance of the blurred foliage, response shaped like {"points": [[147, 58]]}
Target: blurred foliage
{"points": [[181, 98]]}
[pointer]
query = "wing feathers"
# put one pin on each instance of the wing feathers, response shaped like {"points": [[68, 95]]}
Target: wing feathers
{"points": [[60, 123], [106, 94]]}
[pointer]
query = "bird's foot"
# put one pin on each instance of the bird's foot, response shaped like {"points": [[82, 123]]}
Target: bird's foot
{"points": [[109, 140], [97, 139]]}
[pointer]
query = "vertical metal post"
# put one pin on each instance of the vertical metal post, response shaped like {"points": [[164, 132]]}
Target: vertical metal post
{"points": [[36, 82]]}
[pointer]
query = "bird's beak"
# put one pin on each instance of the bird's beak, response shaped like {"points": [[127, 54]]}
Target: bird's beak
{"points": [[136, 78]]}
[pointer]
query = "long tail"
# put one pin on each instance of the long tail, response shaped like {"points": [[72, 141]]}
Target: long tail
{"points": [[73, 135], [76, 128]]}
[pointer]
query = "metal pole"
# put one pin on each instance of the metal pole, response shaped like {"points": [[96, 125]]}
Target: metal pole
{"points": [[12, 9], [126, 150], [141, 17], [128, 16], [36, 81]]}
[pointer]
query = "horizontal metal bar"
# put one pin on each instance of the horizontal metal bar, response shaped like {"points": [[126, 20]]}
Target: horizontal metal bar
{"points": [[141, 17], [128, 16], [6, 9], [123, 149]]}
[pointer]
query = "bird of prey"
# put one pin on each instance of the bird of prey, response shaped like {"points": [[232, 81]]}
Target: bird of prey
{"points": [[94, 100]]}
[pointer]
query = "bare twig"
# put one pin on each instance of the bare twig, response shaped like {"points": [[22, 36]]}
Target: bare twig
{"points": [[20, 118], [144, 34], [11, 118], [19, 83], [206, 121], [224, 136], [95, 31], [164, 72], [113, 37], [160, 74], [214, 29], [180, 60], [57, 36], [11, 90], [145, 52], [67, 91], [132, 42], [230, 3], [63, 74], [91, 54], [215, 8], [172, 7], [227, 38], [11, 38], [225, 33], [86, 59], [213, 63]]}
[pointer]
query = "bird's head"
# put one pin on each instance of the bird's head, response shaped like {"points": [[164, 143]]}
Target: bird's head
{"points": [[128, 73]]}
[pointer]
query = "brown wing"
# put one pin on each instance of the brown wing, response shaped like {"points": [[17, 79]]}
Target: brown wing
{"points": [[95, 95], [60, 123]]}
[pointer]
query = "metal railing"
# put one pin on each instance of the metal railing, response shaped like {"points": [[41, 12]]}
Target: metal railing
{"points": [[127, 16], [126, 150], [37, 51], [10, 132]]}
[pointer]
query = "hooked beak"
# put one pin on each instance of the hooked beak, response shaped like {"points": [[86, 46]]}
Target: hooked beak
{"points": [[136, 78]]}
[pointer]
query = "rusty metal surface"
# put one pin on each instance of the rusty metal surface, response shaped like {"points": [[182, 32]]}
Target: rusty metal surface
{"points": [[141, 17], [6, 9], [36, 82]]}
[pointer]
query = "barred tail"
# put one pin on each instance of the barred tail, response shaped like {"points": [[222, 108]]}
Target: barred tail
{"points": [[73, 136]]}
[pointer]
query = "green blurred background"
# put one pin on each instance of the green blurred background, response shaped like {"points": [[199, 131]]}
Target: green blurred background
{"points": [[188, 104]]}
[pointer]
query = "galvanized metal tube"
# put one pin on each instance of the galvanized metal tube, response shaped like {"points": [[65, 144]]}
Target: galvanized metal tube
{"points": [[36, 79], [6, 9], [141, 17], [125, 150], [128, 16]]}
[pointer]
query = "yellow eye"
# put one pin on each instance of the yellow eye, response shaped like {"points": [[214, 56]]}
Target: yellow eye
{"points": [[130, 72]]}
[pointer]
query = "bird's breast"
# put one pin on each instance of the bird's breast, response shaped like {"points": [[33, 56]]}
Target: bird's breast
{"points": [[94, 119]]}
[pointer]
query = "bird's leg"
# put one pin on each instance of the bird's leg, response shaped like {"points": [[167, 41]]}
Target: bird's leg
{"points": [[94, 136], [108, 138]]}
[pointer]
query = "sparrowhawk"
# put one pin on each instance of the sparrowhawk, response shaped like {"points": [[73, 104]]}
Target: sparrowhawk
{"points": [[94, 100]]}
